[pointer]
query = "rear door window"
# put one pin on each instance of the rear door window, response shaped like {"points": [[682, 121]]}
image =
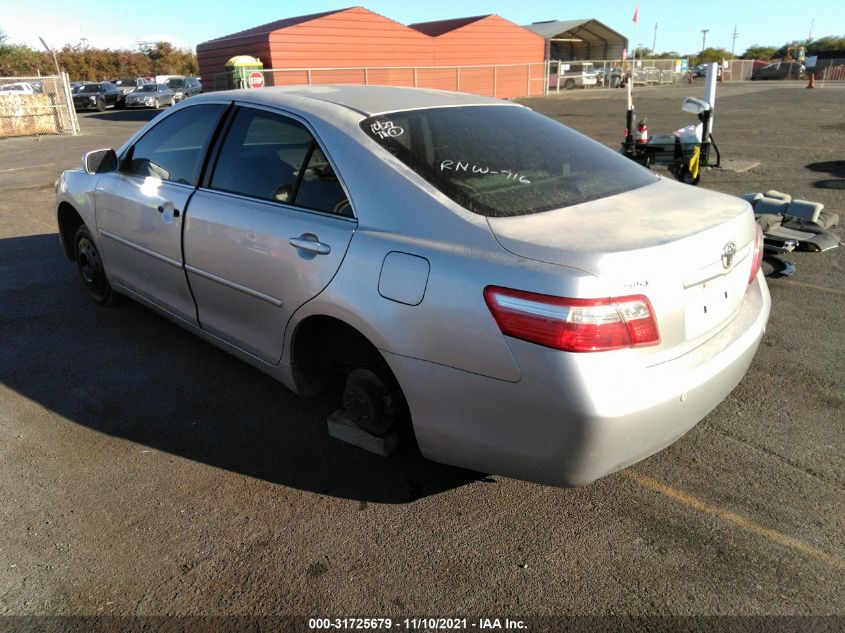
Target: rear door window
{"points": [[273, 157], [261, 156]]}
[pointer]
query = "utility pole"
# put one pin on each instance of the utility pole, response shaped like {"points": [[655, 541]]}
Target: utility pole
{"points": [[704, 33], [812, 24], [53, 53], [733, 38], [654, 42]]}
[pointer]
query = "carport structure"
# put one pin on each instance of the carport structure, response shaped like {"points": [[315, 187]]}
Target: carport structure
{"points": [[579, 39]]}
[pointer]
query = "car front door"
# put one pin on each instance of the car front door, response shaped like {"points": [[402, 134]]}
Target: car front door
{"points": [[140, 208], [266, 232]]}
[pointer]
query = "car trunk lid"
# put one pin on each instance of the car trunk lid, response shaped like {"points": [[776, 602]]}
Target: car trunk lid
{"points": [[688, 250]]}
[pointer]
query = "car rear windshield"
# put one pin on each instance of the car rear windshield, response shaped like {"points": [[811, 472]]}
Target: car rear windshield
{"points": [[501, 161]]}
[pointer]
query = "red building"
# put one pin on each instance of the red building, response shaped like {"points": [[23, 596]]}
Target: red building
{"points": [[483, 54]]}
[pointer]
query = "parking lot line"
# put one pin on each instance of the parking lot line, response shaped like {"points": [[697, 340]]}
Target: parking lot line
{"points": [[3, 171], [813, 286], [735, 519]]}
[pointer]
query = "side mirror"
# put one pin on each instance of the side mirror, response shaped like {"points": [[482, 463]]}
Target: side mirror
{"points": [[100, 161]]}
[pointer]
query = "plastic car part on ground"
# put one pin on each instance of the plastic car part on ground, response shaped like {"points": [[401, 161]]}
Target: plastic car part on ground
{"points": [[789, 224]]}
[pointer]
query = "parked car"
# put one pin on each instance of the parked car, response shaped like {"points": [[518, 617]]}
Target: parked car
{"points": [[779, 70], [22, 87], [609, 77], [699, 70], [533, 302], [125, 86], [96, 96], [150, 96], [183, 87]]}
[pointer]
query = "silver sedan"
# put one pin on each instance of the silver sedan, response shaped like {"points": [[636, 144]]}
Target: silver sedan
{"points": [[532, 303], [150, 96]]}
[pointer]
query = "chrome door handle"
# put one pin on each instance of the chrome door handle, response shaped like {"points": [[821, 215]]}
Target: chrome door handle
{"points": [[310, 245]]}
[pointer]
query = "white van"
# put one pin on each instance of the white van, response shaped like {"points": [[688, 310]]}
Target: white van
{"points": [[573, 75]]}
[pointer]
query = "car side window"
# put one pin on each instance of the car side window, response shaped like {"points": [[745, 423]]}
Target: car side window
{"points": [[261, 156], [273, 157], [319, 187], [173, 150]]}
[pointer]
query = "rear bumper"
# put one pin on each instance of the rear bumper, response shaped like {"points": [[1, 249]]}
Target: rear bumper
{"points": [[573, 418]]}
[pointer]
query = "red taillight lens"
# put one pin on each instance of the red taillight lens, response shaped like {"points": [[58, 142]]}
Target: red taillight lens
{"points": [[758, 254], [573, 325]]}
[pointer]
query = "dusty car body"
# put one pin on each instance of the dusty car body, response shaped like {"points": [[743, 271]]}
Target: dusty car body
{"points": [[537, 305]]}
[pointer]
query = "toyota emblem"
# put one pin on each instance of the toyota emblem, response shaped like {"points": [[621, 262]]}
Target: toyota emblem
{"points": [[728, 253]]}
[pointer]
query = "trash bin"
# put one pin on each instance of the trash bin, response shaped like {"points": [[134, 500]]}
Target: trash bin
{"points": [[238, 69]]}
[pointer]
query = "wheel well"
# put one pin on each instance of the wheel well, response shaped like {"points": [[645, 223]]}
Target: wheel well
{"points": [[324, 348], [69, 223]]}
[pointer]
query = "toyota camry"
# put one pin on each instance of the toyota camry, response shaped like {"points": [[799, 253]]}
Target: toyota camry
{"points": [[531, 302]]}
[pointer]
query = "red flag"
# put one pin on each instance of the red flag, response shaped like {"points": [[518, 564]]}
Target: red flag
{"points": [[636, 13]]}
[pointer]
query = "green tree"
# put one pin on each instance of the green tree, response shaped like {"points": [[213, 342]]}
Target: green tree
{"points": [[827, 43], [18, 59], [756, 51], [709, 55], [645, 53], [166, 59]]}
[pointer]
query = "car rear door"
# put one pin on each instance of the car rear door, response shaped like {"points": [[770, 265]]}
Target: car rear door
{"points": [[140, 208], [266, 232]]}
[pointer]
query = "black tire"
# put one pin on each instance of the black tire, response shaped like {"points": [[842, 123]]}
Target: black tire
{"points": [[569, 84], [91, 270], [686, 177], [101, 105]]}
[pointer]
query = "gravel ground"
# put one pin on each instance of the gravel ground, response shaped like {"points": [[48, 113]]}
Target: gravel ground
{"points": [[144, 472]]}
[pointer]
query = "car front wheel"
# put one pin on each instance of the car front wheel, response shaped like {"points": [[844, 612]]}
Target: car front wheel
{"points": [[101, 105], [90, 267]]}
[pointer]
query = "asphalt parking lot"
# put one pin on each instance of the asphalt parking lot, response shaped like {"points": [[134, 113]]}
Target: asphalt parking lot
{"points": [[145, 472]]}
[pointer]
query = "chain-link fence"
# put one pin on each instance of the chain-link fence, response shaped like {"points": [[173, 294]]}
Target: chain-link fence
{"points": [[35, 106], [506, 81], [503, 80], [610, 73], [829, 70]]}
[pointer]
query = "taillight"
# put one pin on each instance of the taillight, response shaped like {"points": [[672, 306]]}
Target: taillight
{"points": [[573, 325], [758, 254]]}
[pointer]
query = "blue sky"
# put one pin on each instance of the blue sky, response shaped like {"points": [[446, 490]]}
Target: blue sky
{"points": [[116, 23]]}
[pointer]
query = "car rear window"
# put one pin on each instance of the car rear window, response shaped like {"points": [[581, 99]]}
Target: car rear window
{"points": [[501, 161]]}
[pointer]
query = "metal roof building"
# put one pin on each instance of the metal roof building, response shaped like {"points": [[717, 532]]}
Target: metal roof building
{"points": [[484, 54], [579, 39]]}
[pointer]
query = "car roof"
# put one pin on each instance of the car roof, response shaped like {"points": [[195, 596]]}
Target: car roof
{"points": [[368, 100]]}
